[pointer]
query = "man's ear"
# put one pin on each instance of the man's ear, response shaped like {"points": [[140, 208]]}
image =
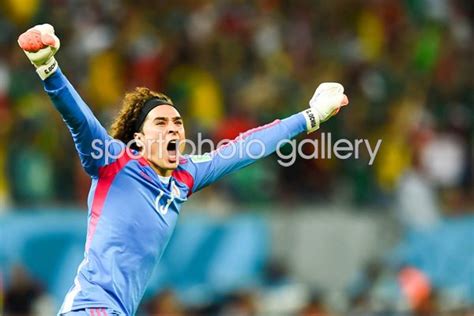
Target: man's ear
{"points": [[138, 137]]}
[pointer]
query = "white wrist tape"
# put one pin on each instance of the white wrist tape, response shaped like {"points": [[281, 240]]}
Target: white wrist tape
{"points": [[312, 120], [46, 70]]}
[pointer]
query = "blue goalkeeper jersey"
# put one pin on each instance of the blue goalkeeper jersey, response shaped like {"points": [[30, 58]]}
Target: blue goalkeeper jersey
{"points": [[132, 212]]}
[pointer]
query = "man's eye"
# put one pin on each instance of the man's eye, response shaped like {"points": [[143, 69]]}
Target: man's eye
{"points": [[160, 123], [179, 123]]}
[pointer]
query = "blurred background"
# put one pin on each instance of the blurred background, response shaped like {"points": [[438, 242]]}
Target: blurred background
{"points": [[323, 237]]}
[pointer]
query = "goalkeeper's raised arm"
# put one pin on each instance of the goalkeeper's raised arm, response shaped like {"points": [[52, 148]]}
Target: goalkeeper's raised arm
{"points": [[264, 140], [40, 44]]}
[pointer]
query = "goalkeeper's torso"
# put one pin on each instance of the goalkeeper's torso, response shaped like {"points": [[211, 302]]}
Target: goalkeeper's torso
{"points": [[132, 214]]}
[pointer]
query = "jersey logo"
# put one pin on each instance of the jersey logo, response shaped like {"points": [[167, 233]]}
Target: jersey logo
{"points": [[163, 209], [200, 158]]}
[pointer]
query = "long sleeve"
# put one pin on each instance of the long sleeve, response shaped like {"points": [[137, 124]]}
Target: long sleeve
{"points": [[243, 151], [90, 137]]}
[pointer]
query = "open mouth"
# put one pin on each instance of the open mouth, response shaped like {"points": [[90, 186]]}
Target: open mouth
{"points": [[172, 150]]}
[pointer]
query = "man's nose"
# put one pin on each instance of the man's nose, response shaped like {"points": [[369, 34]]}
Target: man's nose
{"points": [[173, 129]]}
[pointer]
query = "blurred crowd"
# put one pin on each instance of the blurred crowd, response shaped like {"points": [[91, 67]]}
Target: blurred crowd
{"points": [[232, 65], [27, 297], [279, 297]]}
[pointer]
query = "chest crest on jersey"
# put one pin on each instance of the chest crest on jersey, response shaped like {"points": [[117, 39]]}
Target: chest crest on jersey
{"points": [[163, 202]]}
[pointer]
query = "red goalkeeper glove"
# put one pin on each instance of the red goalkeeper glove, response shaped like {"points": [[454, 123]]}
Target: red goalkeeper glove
{"points": [[40, 44]]}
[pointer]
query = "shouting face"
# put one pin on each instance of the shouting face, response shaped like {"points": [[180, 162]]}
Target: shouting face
{"points": [[161, 138]]}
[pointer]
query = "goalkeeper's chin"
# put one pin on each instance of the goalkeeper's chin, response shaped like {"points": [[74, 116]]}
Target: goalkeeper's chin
{"points": [[169, 161]]}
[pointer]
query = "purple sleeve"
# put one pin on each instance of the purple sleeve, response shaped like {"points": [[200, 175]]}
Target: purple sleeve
{"points": [[90, 137], [243, 151]]}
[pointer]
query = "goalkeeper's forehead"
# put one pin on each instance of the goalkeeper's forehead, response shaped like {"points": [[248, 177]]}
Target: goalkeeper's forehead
{"points": [[164, 111]]}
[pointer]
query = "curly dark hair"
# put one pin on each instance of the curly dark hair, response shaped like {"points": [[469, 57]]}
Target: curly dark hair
{"points": [[123, 126]]}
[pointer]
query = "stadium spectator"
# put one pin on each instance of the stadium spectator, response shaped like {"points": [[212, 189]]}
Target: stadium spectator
{"points": [[22, 293], [165, 303]]}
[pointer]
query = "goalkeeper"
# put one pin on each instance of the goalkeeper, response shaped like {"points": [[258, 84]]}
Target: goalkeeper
{"points": [[135, 199]]}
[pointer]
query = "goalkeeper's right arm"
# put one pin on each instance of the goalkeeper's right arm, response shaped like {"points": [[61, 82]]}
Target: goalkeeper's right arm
{"points": [[40, 44]]}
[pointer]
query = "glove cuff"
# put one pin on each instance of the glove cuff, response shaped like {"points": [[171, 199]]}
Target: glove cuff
{"points": [[47, 69], [312, 120]]}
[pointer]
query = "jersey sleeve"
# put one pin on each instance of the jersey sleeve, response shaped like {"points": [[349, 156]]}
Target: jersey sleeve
{"points": [[93, 144], [243, 151]]}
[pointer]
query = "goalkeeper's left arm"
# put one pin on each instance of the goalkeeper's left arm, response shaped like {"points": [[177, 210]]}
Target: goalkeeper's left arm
{"points": [[263, 141], [40, 45]]}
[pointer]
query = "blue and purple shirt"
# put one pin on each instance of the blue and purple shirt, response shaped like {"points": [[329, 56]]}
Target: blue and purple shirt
{"points": [[131, 211]]}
